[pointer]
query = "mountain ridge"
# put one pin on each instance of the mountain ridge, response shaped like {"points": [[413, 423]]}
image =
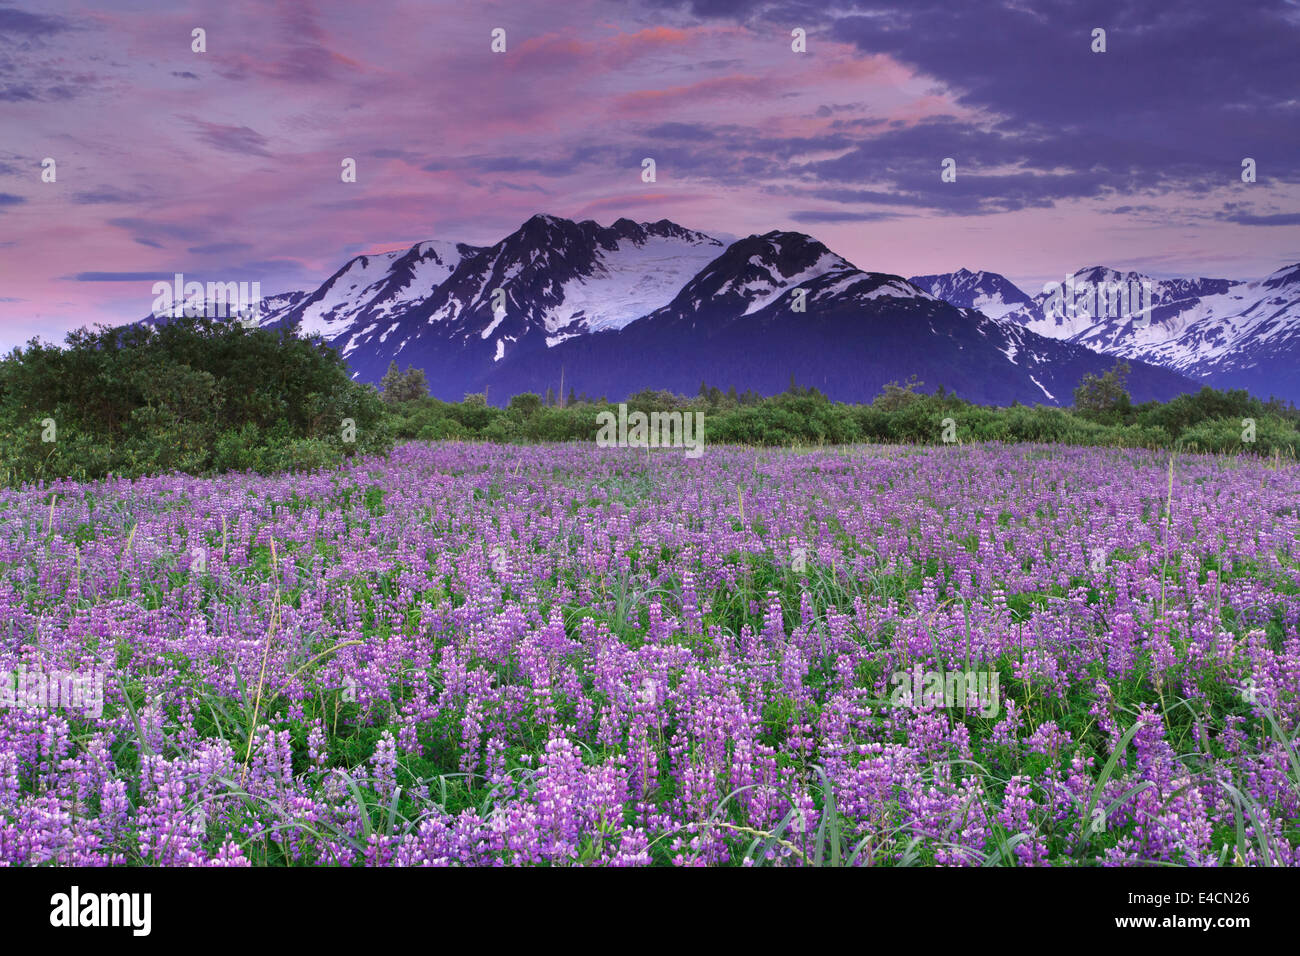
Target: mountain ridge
{"points": [[640, 296], [1227, 333]]}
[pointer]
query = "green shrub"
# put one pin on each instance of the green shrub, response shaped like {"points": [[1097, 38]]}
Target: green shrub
{"points": [[1187, 411], [526, 404], [442, 429], [1228, 436], [194, 395]]}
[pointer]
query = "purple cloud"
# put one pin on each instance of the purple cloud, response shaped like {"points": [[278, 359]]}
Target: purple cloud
{"points": [[18, 25], [232, 139]]}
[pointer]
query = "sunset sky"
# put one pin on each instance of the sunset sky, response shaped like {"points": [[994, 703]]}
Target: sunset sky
{"points": [[225, 165]]}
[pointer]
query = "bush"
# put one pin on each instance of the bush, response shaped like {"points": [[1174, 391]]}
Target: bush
{"points": [[1187, 411], [442, 429], [525, 404], [194, 395], [1229, 436]]}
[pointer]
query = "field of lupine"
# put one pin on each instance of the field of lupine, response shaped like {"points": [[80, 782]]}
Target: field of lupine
{"points": [[480, 654]]}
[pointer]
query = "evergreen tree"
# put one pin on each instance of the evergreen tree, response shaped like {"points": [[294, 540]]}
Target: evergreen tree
{"points": [[391, 384], [408, 386], [414, 384]]}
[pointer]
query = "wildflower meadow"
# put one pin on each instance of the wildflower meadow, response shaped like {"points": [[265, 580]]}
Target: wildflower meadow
{"points": [[565, 654]]}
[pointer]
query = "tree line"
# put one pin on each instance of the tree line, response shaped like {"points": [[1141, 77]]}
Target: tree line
{"points": [[203, 397], [1102, 414]]}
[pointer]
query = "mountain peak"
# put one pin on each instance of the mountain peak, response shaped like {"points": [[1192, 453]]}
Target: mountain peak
{"points": [[988, 292], [1103, 274], [757, 270], [544, 222], [1287, 275]]}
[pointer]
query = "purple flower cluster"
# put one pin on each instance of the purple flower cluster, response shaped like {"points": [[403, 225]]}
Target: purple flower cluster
{"points": [[480, 654]]}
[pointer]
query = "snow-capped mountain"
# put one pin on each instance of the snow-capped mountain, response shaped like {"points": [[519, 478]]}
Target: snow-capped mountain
{"points": [[352, 304], [268, 312], [756, 272], [435, 305], [1246, 337], [994, 295], [655, 305], [556, 279], [1118, 313], [1223, 332], [273, 308], [782, 305], [360, 305]]}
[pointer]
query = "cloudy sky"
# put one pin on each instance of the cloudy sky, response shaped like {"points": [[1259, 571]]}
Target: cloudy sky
{"points": [[225, 165]]}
